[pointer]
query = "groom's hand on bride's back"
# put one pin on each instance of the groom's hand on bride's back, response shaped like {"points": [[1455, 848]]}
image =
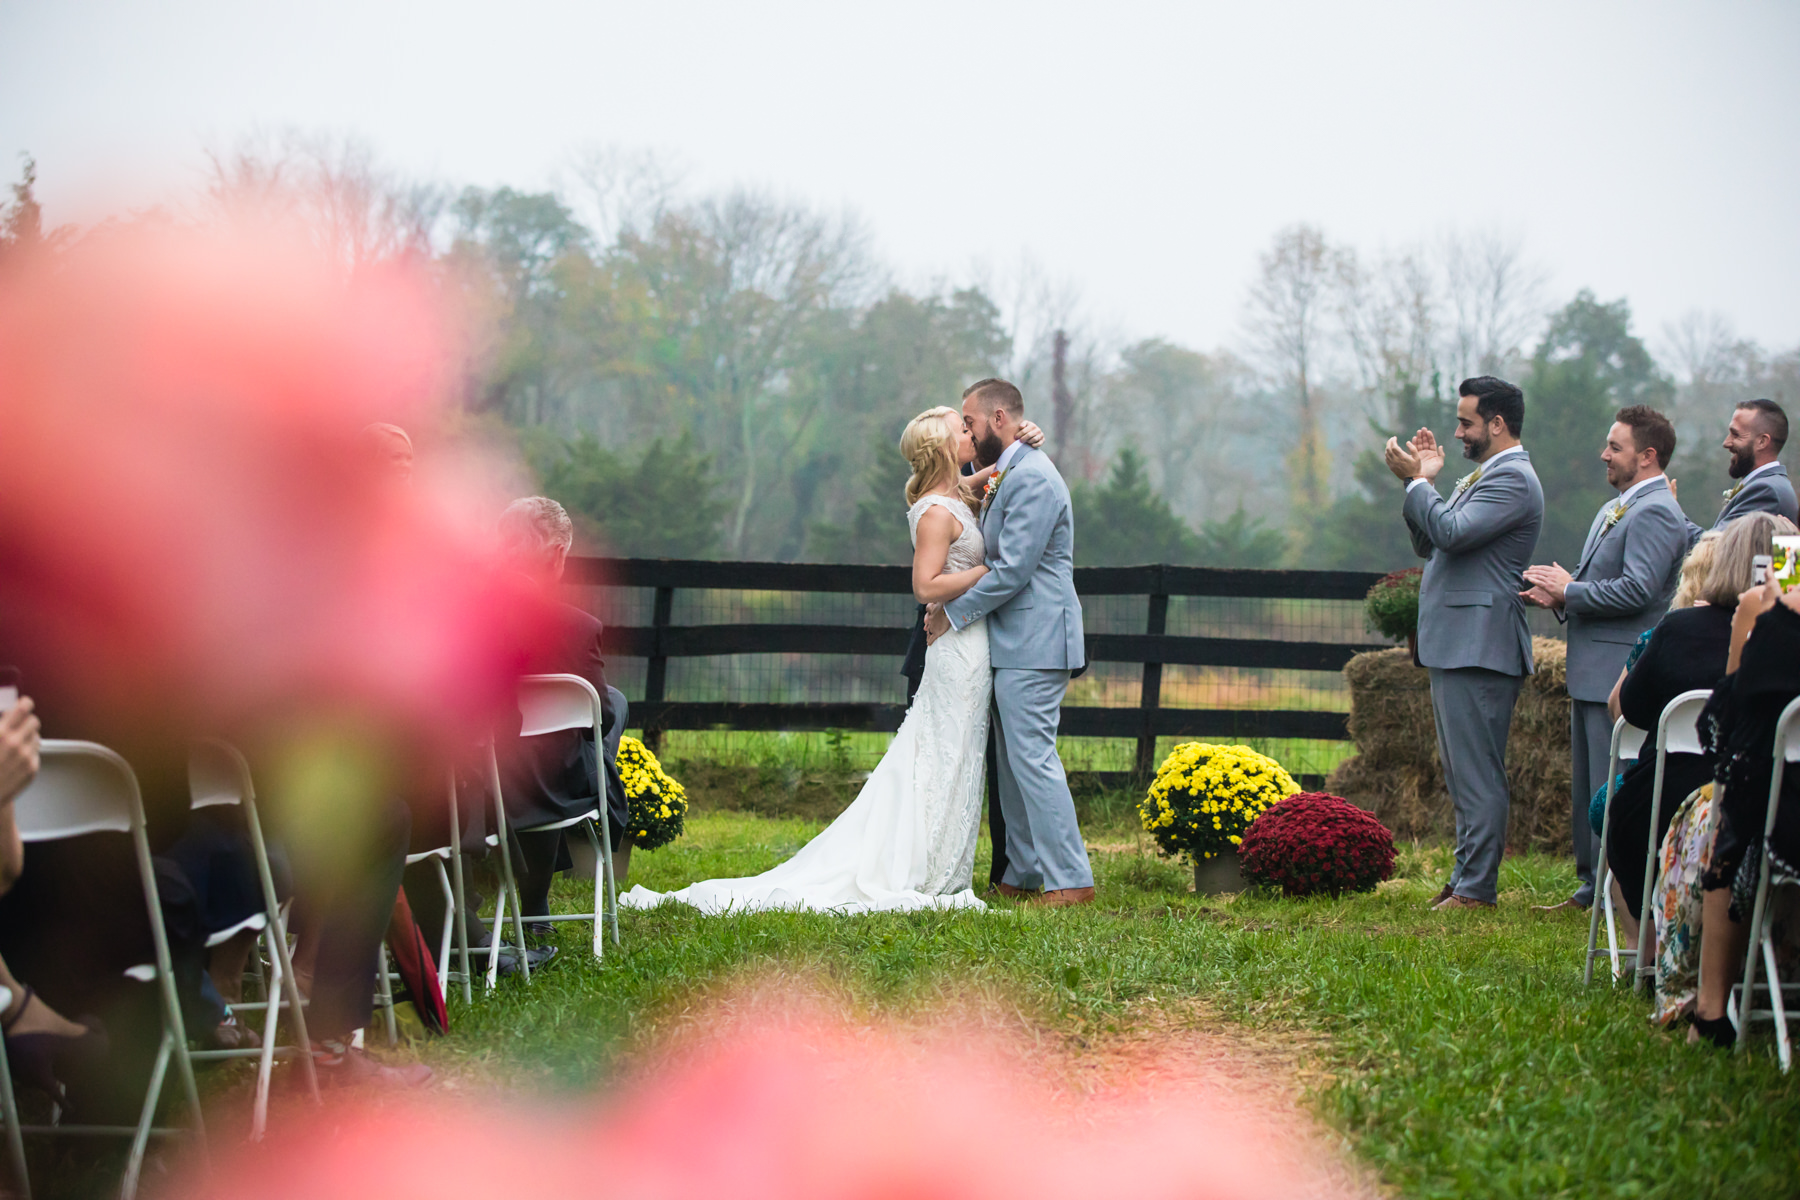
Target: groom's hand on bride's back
{"points": [[936, 623]]}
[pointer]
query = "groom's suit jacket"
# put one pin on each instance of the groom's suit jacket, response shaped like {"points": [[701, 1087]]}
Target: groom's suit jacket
{"points": [[1476, 545], [1622, 586], [1028, 595]]}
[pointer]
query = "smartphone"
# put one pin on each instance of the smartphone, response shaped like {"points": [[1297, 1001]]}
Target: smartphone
{"points": [[1785, 567], [1759, 569], [9, 688]]}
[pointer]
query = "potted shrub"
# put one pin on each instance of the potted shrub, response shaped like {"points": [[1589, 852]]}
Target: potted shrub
{"points": [[1392, 607], [1203, 798], [1315, 843]]}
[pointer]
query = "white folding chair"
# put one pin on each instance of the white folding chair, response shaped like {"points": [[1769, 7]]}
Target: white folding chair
{"points": [[1677, 732], [452, 902], [552, 704], [1762, 936], [509, 888], [218, 775], [84, 788], [15, 1141], [1627, 743]]}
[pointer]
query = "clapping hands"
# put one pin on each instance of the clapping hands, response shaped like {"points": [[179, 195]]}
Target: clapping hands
{"points": [[1419, 458], [1549, 586]]}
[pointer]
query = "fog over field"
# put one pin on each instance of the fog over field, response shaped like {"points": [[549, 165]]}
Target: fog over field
{"points": [[1154, 181]]}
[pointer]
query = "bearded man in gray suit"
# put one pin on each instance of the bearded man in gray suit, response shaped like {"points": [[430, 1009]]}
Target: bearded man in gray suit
{"points": [[1622, 586], [1754, 439], [1472, 634], [1034, 643]]}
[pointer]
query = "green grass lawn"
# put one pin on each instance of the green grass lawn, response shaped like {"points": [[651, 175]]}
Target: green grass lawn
{"points": [[1459, 1053]]}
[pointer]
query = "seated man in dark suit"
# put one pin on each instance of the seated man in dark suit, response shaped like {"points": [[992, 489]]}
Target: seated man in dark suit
{"points": [[555, 776]]}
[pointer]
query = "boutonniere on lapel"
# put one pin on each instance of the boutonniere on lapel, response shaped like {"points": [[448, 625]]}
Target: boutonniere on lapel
{"points": [[993, 485], [1613, 515], [1466, 482], [1734, 489]]}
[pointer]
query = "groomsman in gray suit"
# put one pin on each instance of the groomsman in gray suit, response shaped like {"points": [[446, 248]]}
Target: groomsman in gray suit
{"points": [[1622, 586], [1472, 633], [1034, 642], [1754, 440]]}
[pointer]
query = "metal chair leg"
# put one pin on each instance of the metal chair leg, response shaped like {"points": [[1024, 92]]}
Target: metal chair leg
{"points": [[512, 886], [599, 891], [456, 886], [443, 962], [15, 1140], [386, 991]]}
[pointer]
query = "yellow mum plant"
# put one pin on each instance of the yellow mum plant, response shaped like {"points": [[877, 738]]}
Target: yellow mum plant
{"points": [[658, 803], [1205, 796]]}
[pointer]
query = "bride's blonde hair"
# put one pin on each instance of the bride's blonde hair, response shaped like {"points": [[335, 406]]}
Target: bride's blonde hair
{"points": [[929, 445]]}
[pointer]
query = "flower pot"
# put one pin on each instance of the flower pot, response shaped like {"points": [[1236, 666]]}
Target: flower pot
{"points": [[1218, 875]]}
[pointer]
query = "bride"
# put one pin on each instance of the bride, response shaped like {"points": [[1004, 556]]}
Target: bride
{"points": [[908, 839]]}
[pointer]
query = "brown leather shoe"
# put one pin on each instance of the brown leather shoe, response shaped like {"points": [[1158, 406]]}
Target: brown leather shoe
{"points": [[1009, 891], [1440, 897], [1065, 897], [1571, 902], [1461, 902]]}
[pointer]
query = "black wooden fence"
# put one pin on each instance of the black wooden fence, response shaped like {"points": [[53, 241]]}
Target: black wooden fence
{"points": [[662, 640]]}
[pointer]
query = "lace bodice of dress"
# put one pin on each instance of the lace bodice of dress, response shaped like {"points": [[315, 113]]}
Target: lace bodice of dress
{"points": [[969, 549]]}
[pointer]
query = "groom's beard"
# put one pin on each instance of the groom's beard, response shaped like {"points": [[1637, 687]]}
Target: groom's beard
{"points": [[1476, 450], [1742, 463], [988, 449]]}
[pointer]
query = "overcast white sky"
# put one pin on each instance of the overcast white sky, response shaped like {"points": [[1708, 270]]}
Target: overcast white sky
{"points": [[1145, 151]]}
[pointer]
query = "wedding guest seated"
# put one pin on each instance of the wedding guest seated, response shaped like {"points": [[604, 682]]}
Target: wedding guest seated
{"points": [[215, 856], [1687, 650], [42, 1046], [556, 776], [1763, 677]]}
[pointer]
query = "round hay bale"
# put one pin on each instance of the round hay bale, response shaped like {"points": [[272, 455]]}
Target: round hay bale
{"points": [[1395, 772]]}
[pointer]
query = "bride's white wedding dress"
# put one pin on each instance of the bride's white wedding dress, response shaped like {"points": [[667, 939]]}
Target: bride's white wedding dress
{"points": [[908, 839]]}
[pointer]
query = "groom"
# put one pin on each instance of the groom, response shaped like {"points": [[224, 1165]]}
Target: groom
{"points": [[1034, 642]]}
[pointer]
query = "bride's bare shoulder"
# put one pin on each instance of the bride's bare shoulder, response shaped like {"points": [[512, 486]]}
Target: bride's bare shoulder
{"points": [[935, 517]]}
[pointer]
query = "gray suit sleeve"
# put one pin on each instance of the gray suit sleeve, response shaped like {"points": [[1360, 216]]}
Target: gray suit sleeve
{"points": [[1030, 514], [1489, 511], [1654, 540], [1420, 543]]}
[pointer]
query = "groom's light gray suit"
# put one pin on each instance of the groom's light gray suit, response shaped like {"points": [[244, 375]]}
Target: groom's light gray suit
{"points": [[1034, 641], [1621, 587], [1473, 637]]}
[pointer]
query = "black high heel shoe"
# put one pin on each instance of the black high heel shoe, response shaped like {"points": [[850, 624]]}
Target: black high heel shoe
{"points": [[43, 1060], [1717, 1030]]}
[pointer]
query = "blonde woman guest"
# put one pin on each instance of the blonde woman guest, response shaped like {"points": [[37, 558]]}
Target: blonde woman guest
{"points": [[908, 839], [1687, 650]]}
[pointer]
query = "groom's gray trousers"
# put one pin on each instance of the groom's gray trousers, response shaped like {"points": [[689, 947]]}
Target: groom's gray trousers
{"points": [[1043, 840], [1474, 709]]}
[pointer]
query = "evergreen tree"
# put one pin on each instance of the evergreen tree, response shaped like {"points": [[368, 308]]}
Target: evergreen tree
{"points": [[1125, 522], [1240, 540], [1588, 366], [666, 506], [876, 531]]}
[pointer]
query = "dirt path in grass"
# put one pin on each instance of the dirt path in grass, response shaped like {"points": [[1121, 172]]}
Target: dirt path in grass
{"points": [[1175, 1100]]}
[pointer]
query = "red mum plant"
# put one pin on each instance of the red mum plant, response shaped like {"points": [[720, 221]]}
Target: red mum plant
{"points": [[1313, 843]]}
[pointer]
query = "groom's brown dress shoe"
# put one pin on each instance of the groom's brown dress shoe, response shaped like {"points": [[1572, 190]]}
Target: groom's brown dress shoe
{"points": [[1461, 902], [1440, 897], [1066, 897], [1010, 892]]}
